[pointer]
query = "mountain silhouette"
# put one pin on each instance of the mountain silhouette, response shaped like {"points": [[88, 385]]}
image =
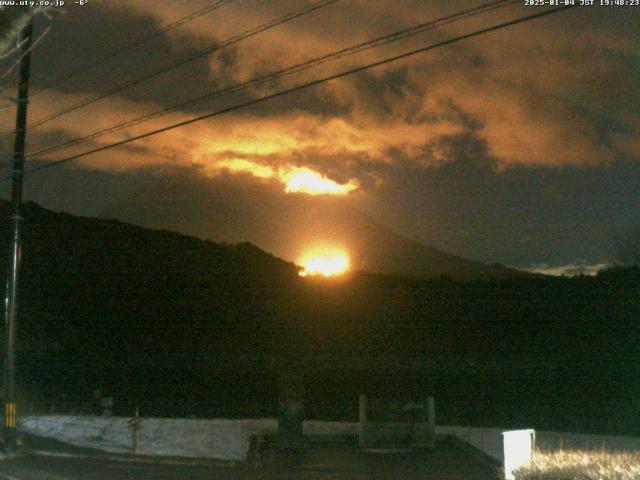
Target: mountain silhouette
{"points": [[287, 225], [152, 317]]}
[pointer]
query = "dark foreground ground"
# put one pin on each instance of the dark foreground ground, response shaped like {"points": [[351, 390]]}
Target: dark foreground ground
{"points": [[320, 461]]}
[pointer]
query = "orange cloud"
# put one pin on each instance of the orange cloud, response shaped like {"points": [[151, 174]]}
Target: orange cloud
{"points": [[294, 179], [531, 94], [238, 165]]}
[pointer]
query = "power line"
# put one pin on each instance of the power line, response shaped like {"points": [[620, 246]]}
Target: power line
{"points": [[116, 52], [201, 53], [131, 45], [4, 77], [7, 72], [303, 86], [376, 42]]}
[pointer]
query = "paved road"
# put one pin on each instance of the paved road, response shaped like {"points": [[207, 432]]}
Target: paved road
{"points": [[329, 461]]}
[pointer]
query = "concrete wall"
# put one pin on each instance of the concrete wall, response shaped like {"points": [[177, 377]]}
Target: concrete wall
{"points": [[229, 439], [487, 440], [380, 433], [217, 438]]}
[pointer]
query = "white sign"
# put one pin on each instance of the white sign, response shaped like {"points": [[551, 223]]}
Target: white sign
{"points": [[518, 450]]}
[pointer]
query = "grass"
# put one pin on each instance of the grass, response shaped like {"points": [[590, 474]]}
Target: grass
{"points": [[581, 465]]}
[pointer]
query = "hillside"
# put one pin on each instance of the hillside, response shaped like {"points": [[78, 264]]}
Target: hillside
{"points": [[183, 326], [100, 298]]}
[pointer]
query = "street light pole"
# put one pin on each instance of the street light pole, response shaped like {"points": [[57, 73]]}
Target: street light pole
{"points": [[11, 299]]}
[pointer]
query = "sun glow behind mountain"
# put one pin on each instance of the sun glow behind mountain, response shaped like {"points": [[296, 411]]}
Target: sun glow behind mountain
{"points": [[295, 179], [304, 180], [325, 262]]}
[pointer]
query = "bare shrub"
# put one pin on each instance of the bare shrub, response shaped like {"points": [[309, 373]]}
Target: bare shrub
{"points": [[581, 465]]}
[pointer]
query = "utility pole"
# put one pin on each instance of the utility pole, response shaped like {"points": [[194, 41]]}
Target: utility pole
{"points": [[11, 300]]}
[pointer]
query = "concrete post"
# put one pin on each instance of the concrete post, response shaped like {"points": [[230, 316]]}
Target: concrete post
{"points": [[431, 421], [290, 407], [362, 421], [134, 425]]}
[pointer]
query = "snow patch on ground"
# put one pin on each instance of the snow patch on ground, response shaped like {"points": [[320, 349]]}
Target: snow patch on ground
{"points": [[219, 439], [216, 439]]}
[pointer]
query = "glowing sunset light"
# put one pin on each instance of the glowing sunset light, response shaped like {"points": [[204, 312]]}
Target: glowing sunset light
{"points": [[295, 179], [327, 264], [237, 165], [304, 180]]}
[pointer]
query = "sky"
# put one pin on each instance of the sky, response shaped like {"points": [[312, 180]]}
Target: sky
{"points": [[519, 146]]}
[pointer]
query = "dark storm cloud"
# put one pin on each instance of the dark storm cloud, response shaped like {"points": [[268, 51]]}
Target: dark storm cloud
{"points": [[81, 36], [522, 216]]}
